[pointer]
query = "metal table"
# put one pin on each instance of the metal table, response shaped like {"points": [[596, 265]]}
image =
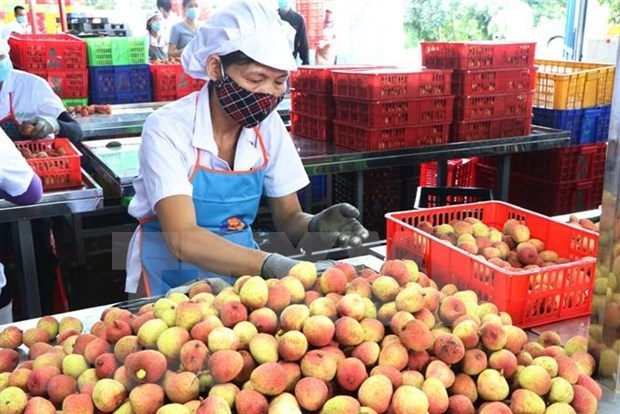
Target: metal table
{"points": [[118, 166], [54, 203]]}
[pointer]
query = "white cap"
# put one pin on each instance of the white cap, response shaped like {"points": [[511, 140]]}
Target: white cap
{"points": [[4, 47], [247, 26], [151, 14]]}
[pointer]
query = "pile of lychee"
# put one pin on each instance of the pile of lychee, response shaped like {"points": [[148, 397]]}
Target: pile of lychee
{"points": [[346, 341], [510, 247]]}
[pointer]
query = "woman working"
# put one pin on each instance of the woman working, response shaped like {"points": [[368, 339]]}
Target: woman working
{"points": [[206, 159], [184, 31]]}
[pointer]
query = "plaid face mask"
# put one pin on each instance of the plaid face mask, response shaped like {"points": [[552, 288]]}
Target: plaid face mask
{"points": [[246, 108]]}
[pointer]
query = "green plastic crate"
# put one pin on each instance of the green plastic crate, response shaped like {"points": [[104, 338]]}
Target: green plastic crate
{"points": [[116, 51], [75, 102]]}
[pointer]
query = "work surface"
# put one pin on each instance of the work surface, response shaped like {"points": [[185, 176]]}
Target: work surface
{"points": [[607, 405]]}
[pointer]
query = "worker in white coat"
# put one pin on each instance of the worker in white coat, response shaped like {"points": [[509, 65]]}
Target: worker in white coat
{"points": [[29, 99], [206, 160], [20, 185]]}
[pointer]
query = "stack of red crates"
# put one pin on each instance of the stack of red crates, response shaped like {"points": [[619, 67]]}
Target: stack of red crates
{"points": [[170, 82], [493, 84], [312, 102], [391, 108], [61, 59]]}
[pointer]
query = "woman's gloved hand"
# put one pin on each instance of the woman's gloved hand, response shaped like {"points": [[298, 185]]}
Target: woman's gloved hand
{"points": [[277, 266], [40, 126], [339, 225]]}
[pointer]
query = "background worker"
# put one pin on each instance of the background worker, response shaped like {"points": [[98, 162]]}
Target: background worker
{"points": [[158, 43], [206, 160], [19, 185], [325, 53], [301, 48], [169, 18], [20, 25], [184, 31]]}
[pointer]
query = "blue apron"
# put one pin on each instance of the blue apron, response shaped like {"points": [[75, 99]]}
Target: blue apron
{"points": [[9, 124], [226, 203]]}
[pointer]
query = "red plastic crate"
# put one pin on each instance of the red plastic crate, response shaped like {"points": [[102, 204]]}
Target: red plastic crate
{"points": [[573, 163], [531, 297], [461, 173], [554, 198], [170, 82], [477, 55], [372, 139], [316, 104], [59, 172], [375, 114], [66, 83], [389, 83], [493, 106], [48, 52], [310, 126], [493, 81], [477, 130], [317, 78], [550, 197]]}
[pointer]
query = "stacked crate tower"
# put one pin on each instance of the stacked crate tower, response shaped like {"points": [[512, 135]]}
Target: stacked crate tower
{"points": [[575, 97], [119, 70], [493, 84], [60, 59], [386, 109]]}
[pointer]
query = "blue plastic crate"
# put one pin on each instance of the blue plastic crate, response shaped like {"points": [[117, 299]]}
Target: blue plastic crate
{"points": [[120, 84], [318, 184], [587, 125], [602, 127]]}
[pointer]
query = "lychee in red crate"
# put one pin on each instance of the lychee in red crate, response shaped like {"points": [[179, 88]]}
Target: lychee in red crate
{"points": [[56, 161], [375, 114], [461, 173], [531, 297], [477, 55], [372, 139], [390, 83], [316, 104], [310, 126], [493, 106], [66, 83], [477, 130], [493, 81], [317, 78], [48, 52]]}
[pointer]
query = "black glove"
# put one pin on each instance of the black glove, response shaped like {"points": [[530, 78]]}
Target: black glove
{"points": [[339, 225], [42, 126]]}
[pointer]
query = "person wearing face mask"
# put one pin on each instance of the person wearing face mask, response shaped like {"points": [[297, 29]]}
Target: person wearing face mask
{"points": [[183, 32], [158, 44], [29, 99], [206, 160], [20, 25]]}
